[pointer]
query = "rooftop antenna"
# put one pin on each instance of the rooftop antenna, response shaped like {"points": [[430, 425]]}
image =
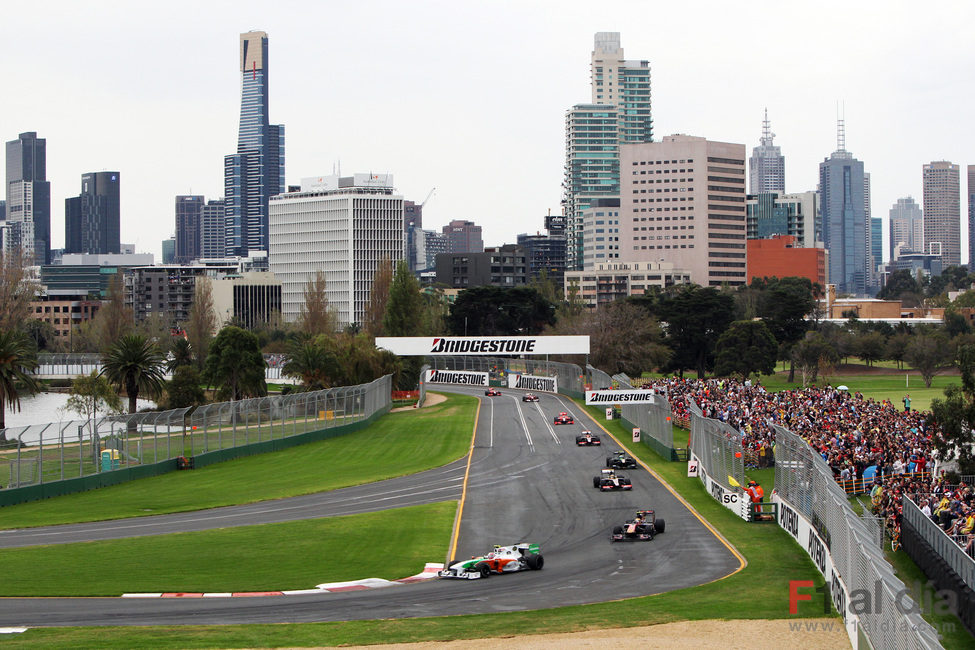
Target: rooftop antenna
{"points": [[840, 129], [767, 134]]}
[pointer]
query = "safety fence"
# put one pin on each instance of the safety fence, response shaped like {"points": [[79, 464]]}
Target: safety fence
{"points": [[655, 424], [600, 380], [79, 448], [816, 512], [716, 453], [860, 485], [948, 547]]}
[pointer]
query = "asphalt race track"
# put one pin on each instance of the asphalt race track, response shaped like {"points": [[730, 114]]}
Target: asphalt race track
{"points": [[528, 482]]}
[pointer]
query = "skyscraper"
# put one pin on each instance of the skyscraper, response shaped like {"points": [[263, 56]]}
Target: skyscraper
{"points": [[623, 84], [906, 228], [213, 240], [971, 217], [28, 196], [189, 212], [464, 236], [256, 172], [766, 167], [92, 220], [942, 211], [844, 218]]}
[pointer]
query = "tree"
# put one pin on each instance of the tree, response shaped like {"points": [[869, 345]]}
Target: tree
{"points": [[92, 393], [897, 347], [955, 416], [902, 285], [317, 316], [928, 353], [784, 306], [235, 365], [202, 321], [184, 389], [17, 290], [695, 317], [182, 355], [624, 339], [113, 320], [500, 311], [18, 360], [870, 347], [314, 361], [135, 364], [746, 347], [404, 304], [41, 333], [811, 354], [378, 297]]}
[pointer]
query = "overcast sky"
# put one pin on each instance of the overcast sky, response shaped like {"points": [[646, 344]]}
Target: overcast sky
{"points": [[470, 97]]}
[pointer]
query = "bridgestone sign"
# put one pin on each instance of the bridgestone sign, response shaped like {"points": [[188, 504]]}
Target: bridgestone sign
{"points": [[533, 383], [423, 346], [457, 377], [619, 397]]}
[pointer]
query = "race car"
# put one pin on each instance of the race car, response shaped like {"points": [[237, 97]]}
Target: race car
{"points": [[608, 480], [620, 460], [492, 392], [529, 397], [502, 559], [587, 438], [564, 418], [641, 528]]}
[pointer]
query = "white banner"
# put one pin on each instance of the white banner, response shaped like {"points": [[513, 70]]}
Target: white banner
{"points": [[483, 345], [463, 377], [619, 397], [533, 383]]}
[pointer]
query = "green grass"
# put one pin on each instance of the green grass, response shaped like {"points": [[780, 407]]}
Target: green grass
{"points": [[283, 556], [395, 445]]}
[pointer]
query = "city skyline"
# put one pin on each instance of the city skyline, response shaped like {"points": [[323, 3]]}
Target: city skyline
{"points": [[465, 114]]}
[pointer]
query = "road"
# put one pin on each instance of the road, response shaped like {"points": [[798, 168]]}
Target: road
{"points": [[528, 482]]}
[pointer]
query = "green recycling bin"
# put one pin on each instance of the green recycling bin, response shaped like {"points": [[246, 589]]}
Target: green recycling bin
{"points": [[110, 459]]}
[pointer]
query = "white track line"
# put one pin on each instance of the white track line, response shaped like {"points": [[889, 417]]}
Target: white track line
{"points": [[548, 424], [524, 425]]}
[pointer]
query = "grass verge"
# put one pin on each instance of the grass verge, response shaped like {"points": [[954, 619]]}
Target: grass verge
{"points": [[395, 445], [316, 551]]}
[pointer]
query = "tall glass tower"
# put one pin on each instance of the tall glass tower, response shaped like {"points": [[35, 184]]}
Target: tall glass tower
{"points": [[766, 167], [28, 196], [845, 220], [256, 172]]}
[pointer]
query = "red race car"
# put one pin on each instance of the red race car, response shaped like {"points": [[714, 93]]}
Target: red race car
{"points": [[564, 418], [529, 397], [587, 438], [492, 392]]}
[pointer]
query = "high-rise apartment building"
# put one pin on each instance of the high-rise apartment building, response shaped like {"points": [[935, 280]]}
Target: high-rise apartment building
{"points": [[844, 218], [256, 172], [601, 233], [942, 211], [906, 228], [773, 213], [342, 226], [682, 201], [766, 167], [213, 229], [971, 217], [623, 84], [92, 220], [28, 197], [189, 212], [464, 236]]}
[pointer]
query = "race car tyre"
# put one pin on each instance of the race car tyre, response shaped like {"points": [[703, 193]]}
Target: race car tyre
{"points": [[658, 526], [609, 462], [595, 481], [617, 530], [535, 562], [483, 569]]}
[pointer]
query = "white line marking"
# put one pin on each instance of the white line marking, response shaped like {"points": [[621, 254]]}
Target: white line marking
{"points": [[524, 425], [551, 429]]}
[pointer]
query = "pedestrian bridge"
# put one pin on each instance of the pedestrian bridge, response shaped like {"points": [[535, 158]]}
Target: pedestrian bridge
{"points": [[69, 366]]}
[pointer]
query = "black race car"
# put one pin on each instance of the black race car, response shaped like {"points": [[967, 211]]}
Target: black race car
{"points": [[621, 460], [529, 397], [492, 392], [609, 480], [641, 528], [587, 438], [564, 418]]}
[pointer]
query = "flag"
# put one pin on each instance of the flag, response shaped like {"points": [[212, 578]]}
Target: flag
{"points": [[732, 482]]}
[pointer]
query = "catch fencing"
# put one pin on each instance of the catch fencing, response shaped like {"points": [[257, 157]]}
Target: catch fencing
{"points": [[78, 448], [815, 510], [946, 546], [716, 447], [655, 423]]}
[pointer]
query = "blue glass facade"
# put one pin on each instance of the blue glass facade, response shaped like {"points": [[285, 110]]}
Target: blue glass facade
{"points": [[256, 172], [844, 222]]}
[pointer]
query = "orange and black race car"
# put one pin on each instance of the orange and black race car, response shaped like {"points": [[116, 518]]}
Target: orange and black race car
{"points": [[641, 528], [492, 392], [564, 418], [609, 480]]}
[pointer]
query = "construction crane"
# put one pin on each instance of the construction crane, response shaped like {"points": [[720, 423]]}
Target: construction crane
{"points": [[432, 190]]}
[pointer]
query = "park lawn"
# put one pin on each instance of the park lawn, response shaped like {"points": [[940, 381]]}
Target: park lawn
{"points": [[891, 386], [396, 444], [267, 557]]}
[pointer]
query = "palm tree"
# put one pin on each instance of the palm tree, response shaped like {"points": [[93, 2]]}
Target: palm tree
{"points": [[313, 363], [136, 365], [17, 361]]}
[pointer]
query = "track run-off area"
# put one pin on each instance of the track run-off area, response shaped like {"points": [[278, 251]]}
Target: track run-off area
{"points": [[525, 480]]}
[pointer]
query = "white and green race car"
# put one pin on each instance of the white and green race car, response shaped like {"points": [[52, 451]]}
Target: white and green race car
{"points": [[503, 559]]}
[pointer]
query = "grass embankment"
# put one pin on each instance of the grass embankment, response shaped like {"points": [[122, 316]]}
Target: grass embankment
{"points": [[396, 445], [293, 555]]}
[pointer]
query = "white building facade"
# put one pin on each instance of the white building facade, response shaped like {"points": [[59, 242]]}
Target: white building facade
{"points": [[342, 226]]}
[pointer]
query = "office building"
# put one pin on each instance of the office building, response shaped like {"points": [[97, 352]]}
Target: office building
{"points": [[971, 217], [906, 228], [213, 222], [413, 226], [464, 236], [342, 226], [167, 291], [251, 299], [28, 198], [546, 252], [773, 213], [942, 211], [429, 244], [256, 172], [623, 84], [601, 232], [766, 167], [780, 256], [502, 266], [169, 250], [92, 220], [611, 281], [683, 201], [189, 214], [844, 218]]}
